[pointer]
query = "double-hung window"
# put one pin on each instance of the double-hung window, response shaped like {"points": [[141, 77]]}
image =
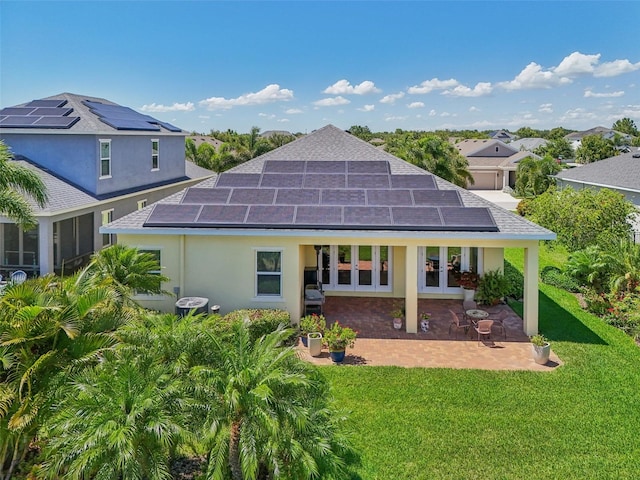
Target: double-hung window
{"points": [[107, 217], [155, 154], [156, 253], [269, 273], [105, 158]]}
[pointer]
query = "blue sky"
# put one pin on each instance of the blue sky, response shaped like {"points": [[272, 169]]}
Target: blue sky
{"points": [[300, 65]]}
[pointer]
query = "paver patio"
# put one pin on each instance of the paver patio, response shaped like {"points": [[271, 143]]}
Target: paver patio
{"points": [[379, 343]]}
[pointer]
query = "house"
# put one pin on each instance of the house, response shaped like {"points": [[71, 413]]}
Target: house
{"points": [[528, 144], [99, 161], [575, 138], [502, 135], [620, 173], [198, 140], [329, 207], [492, 163]]}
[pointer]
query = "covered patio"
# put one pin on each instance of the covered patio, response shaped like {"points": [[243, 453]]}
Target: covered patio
{"points": [[380, 344]]}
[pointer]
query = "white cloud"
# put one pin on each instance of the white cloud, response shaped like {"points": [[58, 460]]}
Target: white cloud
{"points": [[367, 108], [416, 105], [283, 120], [617, 67], [445, 114], [391, 98], [343, 87], [269, 94], [430, 85], [576, 64], [589, 94], [331, 102], [176, 107], [533, 76], [577, 114], [546, 108], [480, 90], [205, 117], [474, 109], [292, 111], [392, 118], [269, 116], [432, 113]]}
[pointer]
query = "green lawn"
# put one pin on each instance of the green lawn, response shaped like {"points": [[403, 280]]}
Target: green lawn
{"points": [[580, 421]]}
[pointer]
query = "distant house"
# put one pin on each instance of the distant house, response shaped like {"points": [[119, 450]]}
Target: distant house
{"points": [[99, 161], [328, 207], [492, 163], [271, 133], [528, 144], [575, 138], [502, 135], [200, 139]]}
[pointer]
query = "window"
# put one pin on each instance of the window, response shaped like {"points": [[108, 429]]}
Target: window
{"points": [[107, 217], [269, 273], [155, 154], [356, 267], [155, 252], [142, 204], [105, 158]]}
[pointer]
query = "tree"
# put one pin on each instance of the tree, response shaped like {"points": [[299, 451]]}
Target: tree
{"points": [[269, 412], [625, 125], [559, 148], [362, 133], [527, 132], [534, 177], [16, 182], [593, 148], [436, 155], [557, 133]]}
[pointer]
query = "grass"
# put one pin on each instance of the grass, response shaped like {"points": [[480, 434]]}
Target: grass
{"points": [[579, 421]]}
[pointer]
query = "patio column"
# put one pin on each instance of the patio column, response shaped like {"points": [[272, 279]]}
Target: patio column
{"points": [[45, 245], [530, 309], [411, 288]]}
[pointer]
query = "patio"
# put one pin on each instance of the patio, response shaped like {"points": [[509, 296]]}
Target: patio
{"points": [[380, 344]]}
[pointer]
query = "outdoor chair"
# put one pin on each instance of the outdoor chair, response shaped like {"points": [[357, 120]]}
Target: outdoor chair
{"points": [[18, 277], [483, 328], [313, 299], [499, 318], [458, 324]]}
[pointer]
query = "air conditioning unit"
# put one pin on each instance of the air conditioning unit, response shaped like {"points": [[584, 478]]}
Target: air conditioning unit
{"points": [[186, 304]]}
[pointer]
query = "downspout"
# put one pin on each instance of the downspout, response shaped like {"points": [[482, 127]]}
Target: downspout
{"points": [[181, 275]]}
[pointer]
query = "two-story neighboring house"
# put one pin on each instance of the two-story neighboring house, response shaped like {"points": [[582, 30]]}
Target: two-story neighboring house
{"points": [[99, 161]]}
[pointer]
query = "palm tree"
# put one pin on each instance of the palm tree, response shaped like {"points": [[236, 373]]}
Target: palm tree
{"points": [[120, 419], [534, 177], [623, 260], [17, 181], [268, 412]]}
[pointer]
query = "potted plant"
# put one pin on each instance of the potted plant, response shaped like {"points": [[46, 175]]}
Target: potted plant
{"points": [[397, 314], [313, 323], [541, 349], [492, 287], [469, 283], [424, 321], [338, 338]]}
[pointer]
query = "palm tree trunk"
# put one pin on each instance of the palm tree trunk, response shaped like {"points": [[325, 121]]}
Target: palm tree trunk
{"points": [[234, 450]]}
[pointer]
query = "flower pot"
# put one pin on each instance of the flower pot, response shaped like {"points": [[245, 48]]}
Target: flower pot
{"points": [[397, 323], [315, 344], [468, 294], [541, 353], [304, 340], [337, 357]]}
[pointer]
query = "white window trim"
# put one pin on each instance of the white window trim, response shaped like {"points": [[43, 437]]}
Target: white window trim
{"points": [[148, 296], [464, 266], [101, 141], [107, 217], [264, 297], [375, 273], [155, 169]]}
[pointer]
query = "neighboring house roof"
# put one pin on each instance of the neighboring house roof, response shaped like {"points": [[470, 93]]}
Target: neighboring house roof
{"points": [[488, 153], [200, 139], [64, 195], [70, 113], [501, 135], [602, 131], [330, 181], [270, 133], [528, 143], [619, 172]]}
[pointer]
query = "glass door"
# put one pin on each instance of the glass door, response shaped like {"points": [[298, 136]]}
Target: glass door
{"points": [[364, 267], [432, 267]]}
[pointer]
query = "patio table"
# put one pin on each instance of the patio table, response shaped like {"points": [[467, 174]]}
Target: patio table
{"points": [[476, 314]]}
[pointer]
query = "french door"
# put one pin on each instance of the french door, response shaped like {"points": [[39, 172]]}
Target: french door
{"points": [[356, 267], [440, 267]]}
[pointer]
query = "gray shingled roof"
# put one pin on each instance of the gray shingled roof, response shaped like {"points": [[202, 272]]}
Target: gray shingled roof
{"points": [[622, 171], [88, 123], [330, 143]]}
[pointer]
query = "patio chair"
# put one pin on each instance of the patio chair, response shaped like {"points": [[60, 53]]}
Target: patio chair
{"points": [[499, 318], [313, 299], [483, 328], [458, 324], [18, 277]]}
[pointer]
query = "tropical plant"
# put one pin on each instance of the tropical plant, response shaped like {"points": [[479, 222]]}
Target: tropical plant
{"points": [[589, 267], [16, 182], [492, 287], [558, 148], [398, 310], [593, 148], [623, 262], [539, 340], [625, 125], [267, 412], [260, 321], [312, 323], [338, 337], [534, 176]]}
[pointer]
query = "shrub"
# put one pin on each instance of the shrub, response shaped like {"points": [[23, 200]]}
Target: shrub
{"points": [[492, 287], [597, 303], [338, 338], [312, 323], [554, 276], [624, 313], [261, 321]]}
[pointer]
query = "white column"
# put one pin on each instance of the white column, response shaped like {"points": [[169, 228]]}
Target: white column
{"points": [[411, 288], [45, 245], [530, 309]]}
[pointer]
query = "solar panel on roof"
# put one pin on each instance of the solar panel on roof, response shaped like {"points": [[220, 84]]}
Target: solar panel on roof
{"points": [[16, 111], [270, 214], [125, 118], [126, 124], [52, 111], [214, 214], [367, 215], [170, 214], [308, 196], [17, 121], [367, 181], [168, 126], [252, 196], [343, 197], [416, 216], [389, 197], [311, 215], [55, 122], [283, 166], [46, 103], [281, 180], [238, 180], [437, 198], [372, 166], [472, 218], [319, 180], [330, 166], [206, 196], [413, 181]]}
